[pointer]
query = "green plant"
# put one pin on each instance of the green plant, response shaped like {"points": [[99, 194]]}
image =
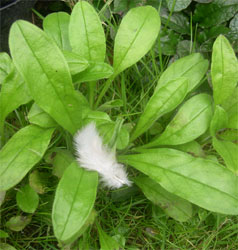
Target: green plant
{"points": [[56, 73]]}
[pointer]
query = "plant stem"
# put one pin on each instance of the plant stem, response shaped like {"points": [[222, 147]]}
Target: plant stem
{"points": [[104, 90]]}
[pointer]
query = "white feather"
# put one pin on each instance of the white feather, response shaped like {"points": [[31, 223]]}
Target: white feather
{"points": [[94, 156]]}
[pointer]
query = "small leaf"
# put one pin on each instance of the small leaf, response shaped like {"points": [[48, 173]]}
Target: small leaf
{"points": [[191, 121], [106, 241], [5, 246], [224, 70], [178, 5], [95, 71], [214, 13], [39, 117], [164, 100], [192, 147], [61, 162], [5, 66], [27, 199], [193, 67], [174, 206], [13, 88], [18, 223], [73, 203], [131, 42], [56, 26], [229, 152], [21, 153], [200, 181], [37, 181], [219, 120], [85, 26]]}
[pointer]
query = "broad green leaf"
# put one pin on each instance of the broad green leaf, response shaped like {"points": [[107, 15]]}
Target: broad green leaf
{"points": [[125, 5], [49, 81], [27, 199], [5, 66], [5, 246], [168, 42], [13, 94], [18, 223], [214, 13], [231, 107], [193, 67], [131, 41], [76, 63], [21, 153], [191, 121], [229, 135], [61, 162], [106, 241], [163, 101], [229, 152], [39, 117], [219, 120], [94, 72], [173, 206], [74, 200], [224, 70], [178, 5], [56, 25], [2, 197], [110, 105], [37, 181], [200, 181], [86, 33]]}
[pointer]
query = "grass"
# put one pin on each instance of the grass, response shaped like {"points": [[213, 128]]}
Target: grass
{"points": [[124, 214]]}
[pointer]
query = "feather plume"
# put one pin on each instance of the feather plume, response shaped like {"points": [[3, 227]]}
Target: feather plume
{"points": [[94, 156]]}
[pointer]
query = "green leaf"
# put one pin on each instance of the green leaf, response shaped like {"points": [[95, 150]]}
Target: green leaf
{"points": [[107, 130], [193, 67], [13, 88], [177, 22], [5, 246], [219, 120], [131, 41], [21, 153], [168, 42], [3, 234], [191, 121], [192, 147], [56, 26], [49, 81], [74, 200], [224, 70], [173, 206], [27, 199], [37, 181], [39, 117], [200, 181], [229, 152], [61, 162], [94, 72], [178, 5], [5, 66], [18, 223], [229, 135], [106, 241], [231, 107], [164, 100], [76, 63], [86, 33], [214, 13]]}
